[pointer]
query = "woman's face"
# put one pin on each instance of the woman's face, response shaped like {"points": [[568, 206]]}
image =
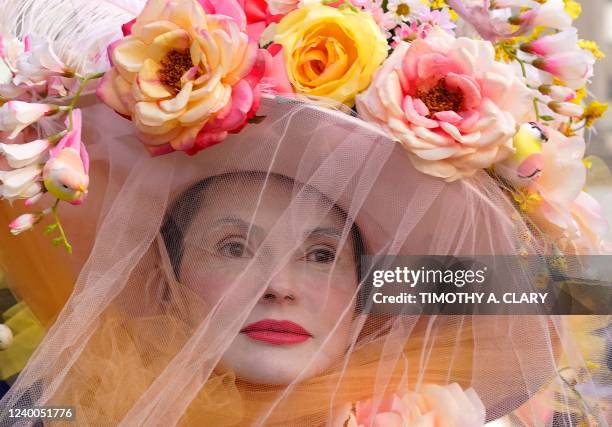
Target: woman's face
{"points": [[242, 237]]}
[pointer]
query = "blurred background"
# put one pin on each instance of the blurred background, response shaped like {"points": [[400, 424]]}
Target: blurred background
{"points": [[595, 23]]}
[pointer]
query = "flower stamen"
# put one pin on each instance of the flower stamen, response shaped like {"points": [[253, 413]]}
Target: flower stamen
{"points": [[441, 98], [173, 66]]}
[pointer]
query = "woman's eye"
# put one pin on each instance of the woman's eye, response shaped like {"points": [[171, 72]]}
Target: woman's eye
{"points": [[233, 249], [322, 255]]}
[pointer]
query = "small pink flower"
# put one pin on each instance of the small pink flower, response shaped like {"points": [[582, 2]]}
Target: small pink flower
{"points": [[435, 18], [558, 93], [17, 115], [568, 109], [552, 44], [550, 14], [405, 33], [448, 102], [573, 67], [24, 222]]}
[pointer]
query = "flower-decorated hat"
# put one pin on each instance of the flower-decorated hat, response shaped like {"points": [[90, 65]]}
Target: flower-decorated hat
{"points": [[400, 127]]}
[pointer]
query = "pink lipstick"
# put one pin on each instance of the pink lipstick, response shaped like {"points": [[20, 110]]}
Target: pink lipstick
{"points": [[276, 332]]}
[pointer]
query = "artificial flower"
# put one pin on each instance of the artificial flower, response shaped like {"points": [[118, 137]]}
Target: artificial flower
{"points": [[551, 44], [558, 93], [574, 67], [592, 47], [22, 183], [282, 7], [17, 115], [24, 222], [448, 102], [65, 174], [480, 16], [38, 62], [402, 10], [20, 155], [186, 75], [429, 19], [405, 33], [568, 109], [330, 52], [28, 65], [550, 14], [593, 111], [259, 16], [432, 406]]}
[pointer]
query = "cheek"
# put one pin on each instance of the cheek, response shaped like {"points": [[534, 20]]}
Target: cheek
{"points": [[209, 284], [331, 297]]}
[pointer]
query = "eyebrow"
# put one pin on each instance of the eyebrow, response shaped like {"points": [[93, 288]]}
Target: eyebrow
{"points": [[324, 231], [244, 226]]}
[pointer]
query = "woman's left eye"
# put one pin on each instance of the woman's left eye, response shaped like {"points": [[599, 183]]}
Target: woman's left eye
{"points": [[322, 255]]}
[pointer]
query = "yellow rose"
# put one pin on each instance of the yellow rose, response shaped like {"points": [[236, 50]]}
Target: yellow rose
{"points": [[330, 52]]}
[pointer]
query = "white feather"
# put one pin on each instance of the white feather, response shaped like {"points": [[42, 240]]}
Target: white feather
{"points": [[80, 30]]}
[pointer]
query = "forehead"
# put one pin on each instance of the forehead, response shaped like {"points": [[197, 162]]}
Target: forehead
{"points": [[263, 200]]}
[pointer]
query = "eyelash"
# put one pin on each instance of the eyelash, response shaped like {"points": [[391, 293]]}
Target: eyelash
{"points": [[226, 244], [224, 247], [330, 253]]}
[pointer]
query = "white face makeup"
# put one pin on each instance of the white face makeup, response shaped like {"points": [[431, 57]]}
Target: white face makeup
{"points": [[297, 256]]}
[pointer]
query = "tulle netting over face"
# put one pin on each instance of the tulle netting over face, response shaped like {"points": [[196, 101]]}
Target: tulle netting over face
{"points": [[272, 224]]}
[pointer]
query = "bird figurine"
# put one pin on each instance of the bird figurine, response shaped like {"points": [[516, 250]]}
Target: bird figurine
{"points": [[66, 173], [527, 161]]}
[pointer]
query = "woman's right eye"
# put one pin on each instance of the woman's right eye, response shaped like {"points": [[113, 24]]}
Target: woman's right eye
{"points": [[233, 248]]}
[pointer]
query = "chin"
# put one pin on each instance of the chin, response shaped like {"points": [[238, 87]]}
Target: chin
{"points": [[261, 363]]}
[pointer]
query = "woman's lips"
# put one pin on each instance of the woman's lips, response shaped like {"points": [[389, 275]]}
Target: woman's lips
{"points": [[277, 332]]}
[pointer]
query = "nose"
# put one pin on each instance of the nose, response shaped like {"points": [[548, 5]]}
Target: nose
{"points": [[282, 289]]}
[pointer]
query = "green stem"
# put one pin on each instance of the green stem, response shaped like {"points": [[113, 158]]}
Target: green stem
{"points": [[67, 245], [84, 81]]}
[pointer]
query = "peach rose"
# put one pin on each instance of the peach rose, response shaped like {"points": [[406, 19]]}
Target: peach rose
{"points": [[448, 102], [433, 406], [186, 75]]}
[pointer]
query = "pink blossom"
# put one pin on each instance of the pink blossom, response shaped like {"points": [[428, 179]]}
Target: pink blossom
{"points": [[568, 109], [479, 15], [558, 93], [448, 102], [550, 14], [23, 222], [574, 67], [435, 18], [406, 33], [552, 44]]}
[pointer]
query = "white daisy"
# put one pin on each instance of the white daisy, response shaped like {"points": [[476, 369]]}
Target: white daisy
{"points": [[402, 10]]}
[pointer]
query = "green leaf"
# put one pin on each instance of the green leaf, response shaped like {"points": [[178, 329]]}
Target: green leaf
{"points": [[547, 118], [50, 229], [57, 241]]}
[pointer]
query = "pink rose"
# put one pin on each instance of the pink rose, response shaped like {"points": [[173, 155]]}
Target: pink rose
{"points": [[433, 406], [448, 102]]}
